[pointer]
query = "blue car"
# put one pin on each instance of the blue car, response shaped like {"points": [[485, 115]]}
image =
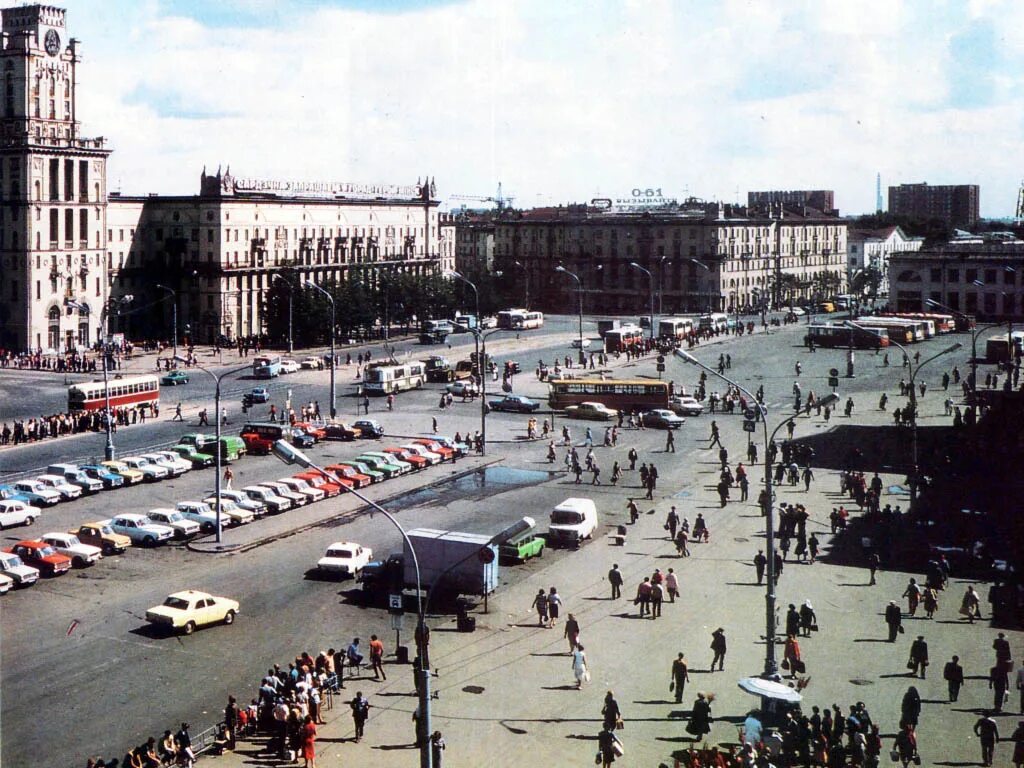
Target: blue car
{"points": [[301, 439], [260, 395], [104, 475], [9, 493]]}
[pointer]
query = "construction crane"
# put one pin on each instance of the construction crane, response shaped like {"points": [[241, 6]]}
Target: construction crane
{"points": [[500, 200], [1020, 202]]}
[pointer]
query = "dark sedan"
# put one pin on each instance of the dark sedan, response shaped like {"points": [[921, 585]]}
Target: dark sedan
{"points": [[514, 404]]}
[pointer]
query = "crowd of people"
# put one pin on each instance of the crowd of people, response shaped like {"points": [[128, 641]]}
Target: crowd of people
{"points": [[72, 422]]}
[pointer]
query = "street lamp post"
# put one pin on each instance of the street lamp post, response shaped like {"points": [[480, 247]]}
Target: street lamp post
{"points": [[526, 282], [174, 317], [579, 290], [975, 334], [291, 455], [330, 298], [481, 361], [291, 296], [661, 286], [650, 282], [706, 268], [914, 370]]}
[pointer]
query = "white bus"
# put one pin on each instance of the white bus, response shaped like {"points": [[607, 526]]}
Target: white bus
{"points": [[527, 320], [383, 379], [919, 329], [505, 317], [675, 327], [715, 321]]}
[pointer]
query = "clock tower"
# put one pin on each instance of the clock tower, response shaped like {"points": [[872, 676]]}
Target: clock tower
{"points": [[53, 186]]}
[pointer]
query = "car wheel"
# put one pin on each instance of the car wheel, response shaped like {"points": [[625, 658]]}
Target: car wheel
{"points": [[229, 617], [78, 562], [149, 541], [540, 552], [108, 549], [29, 520], [190, 628]]}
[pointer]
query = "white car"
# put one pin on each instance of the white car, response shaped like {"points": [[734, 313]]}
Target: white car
{"points": [[6, 582], [268, 498], [37, 492], [172, 518], [461, 388], [174, 469], [22, 575], [82, 555], [684, 405], [310, 364], [66, 490], [426, 453], [345, 558], [299, 485], [490, 321], [14, 512], [200, 512], [235, 514], [578, 343], [289, 366], [140, 529], [662, 418], [173, 459], [75, 476], [190, 609], [282, 490], [593, 411], [149, 470], [242, 501]]}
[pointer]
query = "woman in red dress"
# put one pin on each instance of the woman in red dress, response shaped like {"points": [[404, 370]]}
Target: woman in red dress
{"points": [[792, 655], [309, 742]]}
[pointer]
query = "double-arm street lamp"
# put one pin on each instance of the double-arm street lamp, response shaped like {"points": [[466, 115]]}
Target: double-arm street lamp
{"points": [[914, 370], [314, 286], [526, 282], [650, 282], [174, 317], [291, 297], [117, 303], [579, 291], [481, 360], [975, 335]]}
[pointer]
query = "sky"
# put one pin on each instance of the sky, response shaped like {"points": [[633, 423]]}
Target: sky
{"points": [[560, 101]]}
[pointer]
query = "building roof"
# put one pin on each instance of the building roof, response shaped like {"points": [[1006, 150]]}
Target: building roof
{"points": [[967, 250]]}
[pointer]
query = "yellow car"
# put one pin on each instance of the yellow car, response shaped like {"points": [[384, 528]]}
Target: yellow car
{"points": [[188, 610], [131, 476]]}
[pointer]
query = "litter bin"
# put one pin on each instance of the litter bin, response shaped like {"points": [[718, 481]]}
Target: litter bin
{"points": [[402, 654]]}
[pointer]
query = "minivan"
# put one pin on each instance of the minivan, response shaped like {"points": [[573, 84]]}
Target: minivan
{"points": [[572, 521]]}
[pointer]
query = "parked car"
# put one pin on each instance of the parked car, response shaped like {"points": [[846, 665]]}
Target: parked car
{"points": [[109, 479], [101, 535], [282, 490], [369, 428], [514, 404], [580, 343], [6, 584], [593, 411], [14, 512], [150, 471], [524, 546], [183, 527], [274, 503], [300, 438], [685, 405], [260, 395], [310, 363], [662, 418], [13, 568], [200, 512], [488, 321], [344, 472], [235, 513], [344, 558], [339, 430], [198, 459], [442, 445], [10, 493], [67, 491], [404, 467], [140, 529], [174, 378], [318, 433], [76, 476], [432, 457], [130, 475], [301, 486], [289, 366], [383, 466], [317, 480], [69, 545], [40, 555], [409, 457], [462, 389], [36, 493], [366, 469], [189, 610], [172, 462], [242, 500]]}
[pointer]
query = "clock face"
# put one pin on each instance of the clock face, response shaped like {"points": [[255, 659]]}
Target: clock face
{"points": [[52, 42]]}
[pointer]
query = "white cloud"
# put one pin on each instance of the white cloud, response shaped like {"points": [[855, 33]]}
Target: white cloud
{"points": [[559, 101]]}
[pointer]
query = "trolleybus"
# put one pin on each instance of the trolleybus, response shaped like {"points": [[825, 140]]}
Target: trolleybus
{"points": [[127, 392], [622, 395]]}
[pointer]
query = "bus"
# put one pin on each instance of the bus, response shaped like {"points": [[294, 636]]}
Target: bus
{"points": [[527, 320], [943, 323], [505, 317], [127, 392], [918, 329], [840, 336], [675, 328], [620, 339], [898, 332], [383, 379], [259, 437], [997, 348], [436, 331], [715, 321], [266, 366], [622, 395]]}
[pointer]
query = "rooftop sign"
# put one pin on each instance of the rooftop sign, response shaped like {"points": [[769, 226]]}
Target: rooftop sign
{"points": [[327, 188]]}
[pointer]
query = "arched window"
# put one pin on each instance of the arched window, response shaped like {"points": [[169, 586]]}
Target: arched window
{"points": [[53, 330]]}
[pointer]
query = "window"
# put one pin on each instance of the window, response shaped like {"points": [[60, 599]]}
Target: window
{"points": [[1008, 275], [83, 180], [954, 275], [54, 227], [55, 179], [971, 275], [83, 225], [936, 275], [69, 179], [69, 226]]}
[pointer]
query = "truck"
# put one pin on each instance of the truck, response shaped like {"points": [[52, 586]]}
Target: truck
{"points": [[440, 369], [603, 326], [232, 448]]}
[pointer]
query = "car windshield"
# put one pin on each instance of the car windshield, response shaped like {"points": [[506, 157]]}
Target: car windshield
{"points": [[46, 551], [12, 561], [177, 603], [339, 553], [71, 541], [173, 517], [565, 517], [106, 529]]}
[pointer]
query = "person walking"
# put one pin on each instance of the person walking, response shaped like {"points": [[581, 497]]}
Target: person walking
{"points": [[671, 523], [700, 718], [611, 712], [177, 413], [360, 711], [437, 747], [670, 442], [918, 656], [377, 658], [228, 477], [608, 747], [308, 737], [894, 619], [987, 731], [719, 646], [632, 456], [680, 676], [672, 585], [791, 656], [760, 561], [999, 683], [1018, 745], [970, 606], [579, 666], [715, 437], [953, 674], [615, 579], [540, 603], [913, 595], [554, 603], [572, 632], [657, 596], [643, 596], [873, 562], [808, 619], [905, 745]]}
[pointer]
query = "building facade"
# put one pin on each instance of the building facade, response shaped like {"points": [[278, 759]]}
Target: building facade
{"points": [[956, 205], [53, 182], [472, 235], [980, 278], [701, 257], [819, 199], [219, 251], [872, 249]]}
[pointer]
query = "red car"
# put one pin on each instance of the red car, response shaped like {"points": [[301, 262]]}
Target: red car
{"points": [[328, 486], [417, 461], [41, 555], [436, 447], [345, 472], [318, 433]]}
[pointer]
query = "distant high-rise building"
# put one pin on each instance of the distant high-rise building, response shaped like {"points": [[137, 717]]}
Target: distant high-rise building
{"points": [[821, 199], [956, 205], [878, 193]]}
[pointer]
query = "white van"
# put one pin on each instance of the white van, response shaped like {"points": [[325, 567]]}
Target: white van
{"points": [[572, 521]]}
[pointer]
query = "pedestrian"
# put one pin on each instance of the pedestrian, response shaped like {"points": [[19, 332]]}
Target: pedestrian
{"points": [[999, 683], [918, 657], [540, 603], [177, 413], [1018, 745], [643, 596], [228, 477], [611, 712], [579, 666], [308, 736], [760, 561], [873, 562], [671, 523], [615, 579], [608, 747], [910, 708], [616, 473], [681, 540], [183, 744], [433, 422], [987, 732], [719, 646], [657, 596], [672, 585], [437, 747], [554, 602], [589, 439], [572, 632], [813, 544], [953, 674], [913, 595], [670, 442], [700, 718], [632, 456], [970, 606], [715, 438], [894, 619], [377, 658], [680, 676], [791, 656], [808, 619], [930, 601], [360, 711], [905, 745]]}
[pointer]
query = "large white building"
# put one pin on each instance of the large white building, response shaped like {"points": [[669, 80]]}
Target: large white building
{"points": [[872, 248], [61, 239]]}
